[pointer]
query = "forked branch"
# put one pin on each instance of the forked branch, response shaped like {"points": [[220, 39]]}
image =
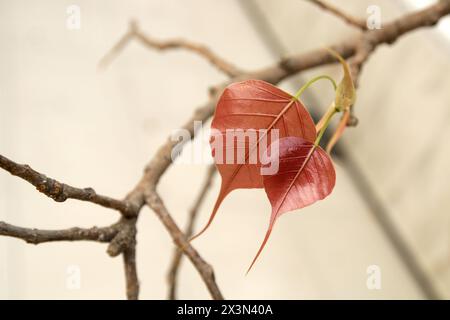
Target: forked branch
{"points": [[135, 33]]}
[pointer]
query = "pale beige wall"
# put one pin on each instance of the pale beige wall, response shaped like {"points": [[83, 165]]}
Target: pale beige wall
{"points": [[86, 128]]}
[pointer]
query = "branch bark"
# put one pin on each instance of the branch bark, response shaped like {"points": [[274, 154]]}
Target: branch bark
{"points": [[36, 236], [178, 254], [353, 21], [59, 191], [204, 269], [131, 277], [135, 33]]}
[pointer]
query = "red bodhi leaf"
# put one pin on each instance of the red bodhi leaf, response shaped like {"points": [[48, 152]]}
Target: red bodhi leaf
{"points": [[249, 106], [305, 175]]}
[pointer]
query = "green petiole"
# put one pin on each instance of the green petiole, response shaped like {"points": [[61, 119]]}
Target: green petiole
{"points": [[330, 114], [310, 82], [326, 123]]}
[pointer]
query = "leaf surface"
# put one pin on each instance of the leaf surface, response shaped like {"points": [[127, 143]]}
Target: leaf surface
{"points": [[254, 105], [306, 175]]}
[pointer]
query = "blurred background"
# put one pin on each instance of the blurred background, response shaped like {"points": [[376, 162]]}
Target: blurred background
{"points": [[388, 216]]}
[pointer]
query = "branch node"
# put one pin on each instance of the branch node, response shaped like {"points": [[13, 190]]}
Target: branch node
{"points": [[124, 239], [51, 188]]}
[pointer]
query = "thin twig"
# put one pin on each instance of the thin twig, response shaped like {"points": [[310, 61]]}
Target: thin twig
{"points": [[150, 42], [363, 51], [178, 254], [353, 21], [59, 191], [109, 57], [204, 269], [390, 32], [36, 236]]}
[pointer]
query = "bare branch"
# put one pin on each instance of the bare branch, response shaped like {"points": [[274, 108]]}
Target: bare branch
{"points": [[203, 51], [59, 191], [131, 277], [362, 53], [206, 271], [356, 22], [115, 50], [125, 238], [178, 254], [36, 236], [390, 32]]}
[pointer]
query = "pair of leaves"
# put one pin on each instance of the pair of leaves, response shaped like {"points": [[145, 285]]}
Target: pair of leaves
{"points": [[305, 173]]}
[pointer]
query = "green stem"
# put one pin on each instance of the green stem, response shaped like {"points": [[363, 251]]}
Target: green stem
{"points": [[325, 126], [310, 82]]}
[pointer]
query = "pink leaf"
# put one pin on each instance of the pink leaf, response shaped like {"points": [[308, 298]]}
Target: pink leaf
{"points": [[254, 105], [306, 175]]}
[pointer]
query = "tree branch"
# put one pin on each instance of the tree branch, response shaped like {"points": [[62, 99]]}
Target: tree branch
{"points": [[178, 254], [125, 243], [36, 236], [355, 22], [135, 33], [206, 271], [59, 191], [125, 238], [131, 277], [390, 32]]}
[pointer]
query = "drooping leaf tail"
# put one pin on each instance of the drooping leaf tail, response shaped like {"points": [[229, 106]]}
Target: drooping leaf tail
{"points": [[222, 194], [263, 244]]}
